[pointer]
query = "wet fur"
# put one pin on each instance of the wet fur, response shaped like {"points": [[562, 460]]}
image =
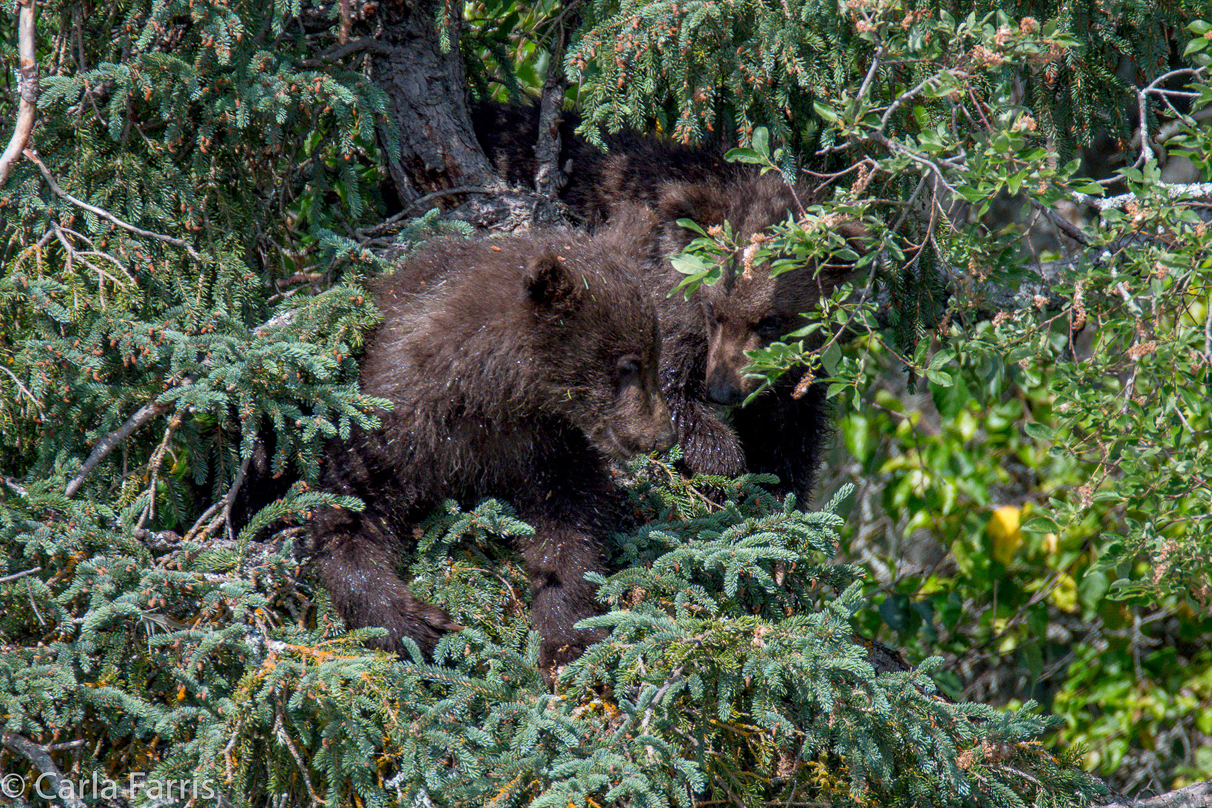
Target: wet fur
{"points": [[704, 339], [516, 367]]}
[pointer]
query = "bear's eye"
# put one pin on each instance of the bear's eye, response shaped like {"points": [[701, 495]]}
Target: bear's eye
{"points": [[628, 367], [770, 327]]}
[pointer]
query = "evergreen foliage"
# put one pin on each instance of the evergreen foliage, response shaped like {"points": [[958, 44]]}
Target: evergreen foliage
{"points": [[702, 69], [206, 171]]}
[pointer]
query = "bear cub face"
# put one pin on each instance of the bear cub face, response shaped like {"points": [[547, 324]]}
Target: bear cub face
{"points": [[749, 312], [603, 358]]}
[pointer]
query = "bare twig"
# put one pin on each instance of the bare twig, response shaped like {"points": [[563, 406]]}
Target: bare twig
{"points": [[1064, 225], [28, 82], [25, 391], [157, 460], [112, 441], [348, 48], [233, 492], [386, 225], [18, 575], [285, 739], [32, 156], [40, 757]]}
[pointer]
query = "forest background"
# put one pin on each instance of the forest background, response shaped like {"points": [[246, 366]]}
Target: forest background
{"points": [[1017, 498]]}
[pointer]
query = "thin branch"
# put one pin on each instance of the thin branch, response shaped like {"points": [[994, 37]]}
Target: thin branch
{"points": [[18, 575], [1064, 225], [386, 226], [112, 441], [1174, 127], [1202, 190], [25, 390], [339, 52], [32, 156], [157, 460], [27, 76], [906, 96], [40, 757], [1198, 795], [285, 739], [233, 492]]}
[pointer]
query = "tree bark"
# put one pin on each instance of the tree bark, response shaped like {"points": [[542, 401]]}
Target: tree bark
{"points": [[427, 89], [436, 159], [27, 108], [1198, 795]]}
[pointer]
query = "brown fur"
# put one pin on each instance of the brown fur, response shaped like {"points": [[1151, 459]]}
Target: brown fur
{"points": [[515, 366], [704, 339]]}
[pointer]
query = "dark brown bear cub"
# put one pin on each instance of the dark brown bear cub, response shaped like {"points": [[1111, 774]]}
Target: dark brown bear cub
{"points": [[516, 367], [704, 339]]}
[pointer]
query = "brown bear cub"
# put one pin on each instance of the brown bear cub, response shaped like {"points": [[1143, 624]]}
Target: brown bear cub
{"points": [[516, 368], [704, 339]]}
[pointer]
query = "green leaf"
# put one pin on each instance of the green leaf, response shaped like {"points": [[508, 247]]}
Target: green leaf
{"points": [[939, 377], [761, 141], [691, 224], [950, 399], [690, 264], [1038, 431], [824, 110]]}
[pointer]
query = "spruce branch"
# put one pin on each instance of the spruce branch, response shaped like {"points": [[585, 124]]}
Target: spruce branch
{"points": [[27, 76], [32, 156]]}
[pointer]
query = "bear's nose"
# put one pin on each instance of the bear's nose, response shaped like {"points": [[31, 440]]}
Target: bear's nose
{"points": [[722, 391]]}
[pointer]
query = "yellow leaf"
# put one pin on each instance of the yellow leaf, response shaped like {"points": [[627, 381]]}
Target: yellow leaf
{"points": [[1051, 542], [1064, 596], [1003, 529]]}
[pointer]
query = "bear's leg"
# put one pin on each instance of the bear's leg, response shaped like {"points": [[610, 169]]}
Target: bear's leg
{"points": [[356, 556], [785, 435], [709, 446], [557, 558]]}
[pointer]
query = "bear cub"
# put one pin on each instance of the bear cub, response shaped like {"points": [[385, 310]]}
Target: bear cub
{"points": [[516, 367], [705, 339]]}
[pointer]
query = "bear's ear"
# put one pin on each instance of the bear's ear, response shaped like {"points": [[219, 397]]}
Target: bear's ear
{"points": [[550, 285], [857, 236], [704, 203]]}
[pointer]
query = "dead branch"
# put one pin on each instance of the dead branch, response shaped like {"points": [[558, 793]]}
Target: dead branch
{"points": [[1198, 795], [27, 76], [32, 156], [40, 757], [112, 441]]}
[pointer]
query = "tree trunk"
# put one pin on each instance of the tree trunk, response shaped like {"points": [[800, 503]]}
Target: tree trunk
{"points": [[427, 88], [437, 159]]}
